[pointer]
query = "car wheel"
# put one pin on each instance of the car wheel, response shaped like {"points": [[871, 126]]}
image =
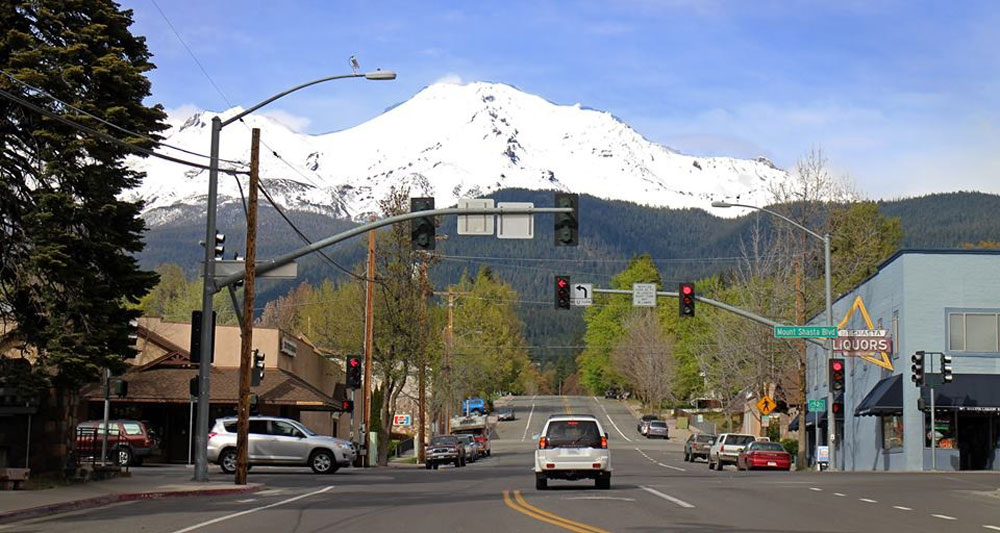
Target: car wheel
{"points": [[458, 462], [436, 466], [720, 466], [123, 456], [603, 482], [322, 462], [227, 461], [427, 466], [687, 458], [541, 482]]}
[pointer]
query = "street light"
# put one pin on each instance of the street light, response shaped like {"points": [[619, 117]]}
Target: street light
{"points": [[201, 441], [830, 421]]}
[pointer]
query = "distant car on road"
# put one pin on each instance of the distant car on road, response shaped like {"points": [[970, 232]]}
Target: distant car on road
{"points": [[506, 413], [474, 407], [573, 447], [644, 423], [445, 449], [764, 455], [275, 441], [697, 446], [727, 449], [472, 449], [657, 429], [612, 393], [129, 441]]}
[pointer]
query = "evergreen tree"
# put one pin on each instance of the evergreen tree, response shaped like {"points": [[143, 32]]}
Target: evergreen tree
{"points": [[67, 273]]}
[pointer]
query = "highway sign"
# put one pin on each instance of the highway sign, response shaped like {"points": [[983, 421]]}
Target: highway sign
{"points": [[582, 295], [644, 295], [817, 406], [803, 332], [515, 226], [475, 224], [766, 405]]}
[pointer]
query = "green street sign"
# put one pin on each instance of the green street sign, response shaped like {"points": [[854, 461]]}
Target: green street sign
{"points": [[802, 332], [817, 406]]}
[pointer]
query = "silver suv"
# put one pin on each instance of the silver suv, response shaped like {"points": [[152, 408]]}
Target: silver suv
{"points": [[279, 442], [726, 449], [573, 447]]}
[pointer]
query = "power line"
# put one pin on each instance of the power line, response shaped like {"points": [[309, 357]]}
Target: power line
{"points": [[105, 136]]}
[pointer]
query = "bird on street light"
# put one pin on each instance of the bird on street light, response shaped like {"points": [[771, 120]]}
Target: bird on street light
{"points": [[354, 64]]}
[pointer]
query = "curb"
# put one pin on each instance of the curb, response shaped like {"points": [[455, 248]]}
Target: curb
{"points": [[100, 501]]}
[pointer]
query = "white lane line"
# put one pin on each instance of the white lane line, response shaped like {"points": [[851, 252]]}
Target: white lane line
{"points": [[901, 508], [671, 466], [254, 510], [615, 498], [944, 517], [841, 494], [248, 500], [868, 500], [528, 425], [816, 489], [994, 528], [610, 420], [667, 497]]}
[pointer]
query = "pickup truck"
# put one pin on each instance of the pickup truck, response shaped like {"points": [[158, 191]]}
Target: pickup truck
{"points": [[474, 406]]}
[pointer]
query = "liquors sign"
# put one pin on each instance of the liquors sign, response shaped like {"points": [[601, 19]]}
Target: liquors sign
{"points": [[855, 342]]}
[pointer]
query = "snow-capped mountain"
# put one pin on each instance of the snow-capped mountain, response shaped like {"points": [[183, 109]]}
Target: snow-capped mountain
{"points": [[449, 141]]}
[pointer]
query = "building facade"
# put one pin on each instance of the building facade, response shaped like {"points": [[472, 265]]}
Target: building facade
{"points": [[939, 302]]}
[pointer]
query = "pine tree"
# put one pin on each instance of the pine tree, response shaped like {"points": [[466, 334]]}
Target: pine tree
{"points": [[67, 239]]}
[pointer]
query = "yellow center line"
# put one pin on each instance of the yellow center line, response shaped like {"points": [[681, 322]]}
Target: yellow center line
{"points": [[522, 507]]}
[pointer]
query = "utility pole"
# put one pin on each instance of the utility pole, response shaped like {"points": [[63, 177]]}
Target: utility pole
{"points": [[369, 342], [246, 339], [422, 372], [449, 340], [800, 318]]}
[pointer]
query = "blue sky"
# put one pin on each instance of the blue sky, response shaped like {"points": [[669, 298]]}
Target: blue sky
{"points": [[902, 96]]}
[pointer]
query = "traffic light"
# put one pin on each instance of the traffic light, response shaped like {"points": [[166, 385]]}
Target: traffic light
{"points": [[121, 388], [567, 224], [257, 372], [347, 406], [220, 246], [917, 368], [254, 404], [353, 374], [946, 376], [193, 387], [562, 292], [838, 408], [686, 292], [836, 375], [195, 351], [422, 229]]}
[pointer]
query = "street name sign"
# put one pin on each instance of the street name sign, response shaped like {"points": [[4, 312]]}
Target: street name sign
{"points": [[643, 295], [581, 295], [804, 332], [475, 224], [515, 226], [228, 267], [817, 406]]}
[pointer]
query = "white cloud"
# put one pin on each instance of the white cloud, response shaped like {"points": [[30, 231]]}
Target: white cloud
{"points": [[288, 120], [451, 77]]}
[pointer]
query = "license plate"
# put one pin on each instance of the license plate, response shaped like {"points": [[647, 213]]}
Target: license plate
{"points": [[772, 463], [571, 452]]}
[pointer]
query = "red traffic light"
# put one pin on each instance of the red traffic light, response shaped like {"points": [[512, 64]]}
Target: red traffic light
{"points": [[838, 366], [562, 282], [354, 362], [686, 289]]}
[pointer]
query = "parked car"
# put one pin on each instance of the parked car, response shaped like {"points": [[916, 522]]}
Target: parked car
{"points": [[506, 413], [278, 441], [444, 449], [657, 429], [612, 393], [764, 455], [471, 447], [644, 423], [697, 446], [129, 441], [727, 449], [573, 447]]}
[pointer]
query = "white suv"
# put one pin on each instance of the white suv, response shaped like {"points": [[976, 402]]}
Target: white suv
{"points": [[573, 447], [726, 449]]}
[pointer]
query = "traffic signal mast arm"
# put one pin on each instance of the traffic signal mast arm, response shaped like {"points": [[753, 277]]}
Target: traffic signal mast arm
{"points": [[735, 310], [365, 228]]}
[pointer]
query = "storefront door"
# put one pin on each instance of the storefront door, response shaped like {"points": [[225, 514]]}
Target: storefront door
{"points": [[975, 441]]}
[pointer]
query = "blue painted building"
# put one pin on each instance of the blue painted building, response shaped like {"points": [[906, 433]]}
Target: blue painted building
{"points": [[945, 301]]}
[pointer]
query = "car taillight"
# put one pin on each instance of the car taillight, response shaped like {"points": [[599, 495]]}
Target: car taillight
{"points": [[604, 442], [541, 443], [211, 434]]}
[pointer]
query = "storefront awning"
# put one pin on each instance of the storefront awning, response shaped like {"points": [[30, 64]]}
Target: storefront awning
{"points": [[966, 392], [885, 398], [810, 421]]}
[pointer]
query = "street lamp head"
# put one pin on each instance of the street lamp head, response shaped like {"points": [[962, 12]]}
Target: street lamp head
{"points": [[380, 75], [720, 203]]}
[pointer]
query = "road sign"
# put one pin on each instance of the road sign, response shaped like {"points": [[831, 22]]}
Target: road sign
{"points": [[803, 332], [643, 295], [228, 267], [475, 224], [766, 405], [582, 294], [855, 342], [822, 454], [401, 420], [817, 406], [515, 226]]}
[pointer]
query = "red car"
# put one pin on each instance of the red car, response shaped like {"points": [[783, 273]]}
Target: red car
{"points": [[129, 441], [769, 455]]}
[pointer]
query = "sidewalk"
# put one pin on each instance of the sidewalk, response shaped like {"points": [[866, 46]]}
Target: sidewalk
{"points": [[147, 482]]}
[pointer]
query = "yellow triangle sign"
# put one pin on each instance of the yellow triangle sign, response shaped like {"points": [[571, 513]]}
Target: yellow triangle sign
{"points": [[859, 305]]}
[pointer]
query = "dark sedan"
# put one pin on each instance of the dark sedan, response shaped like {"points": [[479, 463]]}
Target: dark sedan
{"points": [[445, 449]]}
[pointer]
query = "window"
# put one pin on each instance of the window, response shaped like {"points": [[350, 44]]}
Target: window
{"points": [[131, 428], [283, 429], [892, 432], [944, 430], [574, 433], [974, 332]]}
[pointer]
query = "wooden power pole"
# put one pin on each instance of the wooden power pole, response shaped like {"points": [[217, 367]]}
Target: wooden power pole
{"points": [[369, 341], [246, 339]]}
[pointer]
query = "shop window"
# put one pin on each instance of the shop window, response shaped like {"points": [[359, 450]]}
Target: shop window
{"points": [[892, 432], [944, 432], [974, 332]]}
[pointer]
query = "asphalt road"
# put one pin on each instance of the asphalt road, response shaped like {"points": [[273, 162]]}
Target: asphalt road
{"points": [[653, 489]]}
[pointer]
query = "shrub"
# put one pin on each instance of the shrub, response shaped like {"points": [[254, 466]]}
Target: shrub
{"points": [[791, 446]]}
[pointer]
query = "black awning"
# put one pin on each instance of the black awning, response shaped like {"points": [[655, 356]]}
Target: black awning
{"points": [[810, 421], [968, 393], [885, 398]]}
